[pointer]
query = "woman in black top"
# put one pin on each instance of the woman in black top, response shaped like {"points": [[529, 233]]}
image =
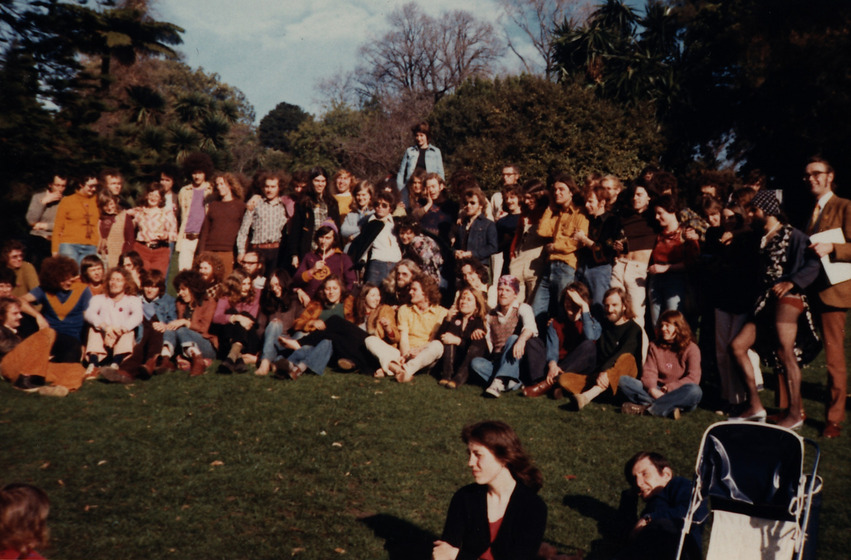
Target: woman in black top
{"points": [[500, 517], [315, 206]]}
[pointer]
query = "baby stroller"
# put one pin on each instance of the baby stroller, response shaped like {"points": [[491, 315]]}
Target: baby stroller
{"points": [[760, 499]]}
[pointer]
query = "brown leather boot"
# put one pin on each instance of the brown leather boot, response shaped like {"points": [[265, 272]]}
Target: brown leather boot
{"points": [[539, 388], [573, 382]]}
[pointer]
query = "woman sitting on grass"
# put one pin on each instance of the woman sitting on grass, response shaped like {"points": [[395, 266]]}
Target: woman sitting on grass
{"points": [[332, 302], [372, 318], [92, 274], [670, 380], [189, 334], [463, 338], [236, 319], [500, 516], [23, 521], [279, 308]]}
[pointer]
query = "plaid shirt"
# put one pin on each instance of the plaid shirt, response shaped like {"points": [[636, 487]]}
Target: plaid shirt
{"points": [[266, 223]]}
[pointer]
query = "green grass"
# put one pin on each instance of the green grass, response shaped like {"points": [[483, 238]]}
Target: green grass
{"points": [[339, 466]]}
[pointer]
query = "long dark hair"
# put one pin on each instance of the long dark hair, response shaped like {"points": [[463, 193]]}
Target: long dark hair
{"points": [[269, 302], [501, 440]]}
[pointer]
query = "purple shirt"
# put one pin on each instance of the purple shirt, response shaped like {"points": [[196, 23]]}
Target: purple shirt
{"points": [[196, 212]]}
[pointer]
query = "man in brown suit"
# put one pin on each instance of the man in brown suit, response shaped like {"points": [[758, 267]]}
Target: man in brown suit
{"points": [[831, 301]]}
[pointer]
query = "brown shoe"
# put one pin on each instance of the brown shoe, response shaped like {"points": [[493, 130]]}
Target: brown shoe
{"points": [[163, 364], [633, 409], [346, 364], [539, 388], [113, 375], [199, 366], [831, 430]]}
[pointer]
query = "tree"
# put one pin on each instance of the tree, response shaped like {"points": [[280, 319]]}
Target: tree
{"points": [[281, 120], [544, 127], [537, 21], [424, 55]]}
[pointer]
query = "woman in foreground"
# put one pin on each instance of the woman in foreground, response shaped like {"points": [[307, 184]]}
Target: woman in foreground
{"points": [[500, 516]]}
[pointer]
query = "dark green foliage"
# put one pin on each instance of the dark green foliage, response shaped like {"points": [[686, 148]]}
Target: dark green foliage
{"points": [[542, 126], [281, 120]]}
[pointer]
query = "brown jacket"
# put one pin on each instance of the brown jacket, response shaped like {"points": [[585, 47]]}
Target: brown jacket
{"points": [[836, 214], [201, 318]]}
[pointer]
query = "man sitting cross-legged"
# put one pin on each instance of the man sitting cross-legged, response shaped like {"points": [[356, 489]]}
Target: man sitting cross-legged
{"points": [[418, 322], [514, 339]]}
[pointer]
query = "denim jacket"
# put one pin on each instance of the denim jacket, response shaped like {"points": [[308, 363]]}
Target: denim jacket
{"points": [[433, 162]]}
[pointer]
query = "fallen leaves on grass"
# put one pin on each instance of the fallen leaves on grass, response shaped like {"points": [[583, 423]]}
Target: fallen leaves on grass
{"points": [[45, 465], [336, 444], [217, 463], [339, 550], [570, 477], [102, 462], [297, 550]]}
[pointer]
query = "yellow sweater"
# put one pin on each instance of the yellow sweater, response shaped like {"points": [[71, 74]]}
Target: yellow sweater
{"points": [[76, 221], [561, 228]]}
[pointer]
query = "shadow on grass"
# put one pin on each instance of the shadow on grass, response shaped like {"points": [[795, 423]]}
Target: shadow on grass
{"points": [[403, 539], [612, 523]]}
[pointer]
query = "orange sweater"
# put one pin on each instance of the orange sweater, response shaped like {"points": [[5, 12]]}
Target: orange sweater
{"points": [[76, 221]]}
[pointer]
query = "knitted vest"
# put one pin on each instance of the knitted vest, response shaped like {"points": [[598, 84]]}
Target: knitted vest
{"points": [[501, 331]]}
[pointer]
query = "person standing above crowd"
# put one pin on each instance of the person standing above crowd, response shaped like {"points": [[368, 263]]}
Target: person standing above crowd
{"points": [[422, 155], [831, 300], [192, 200], [41, 216]]}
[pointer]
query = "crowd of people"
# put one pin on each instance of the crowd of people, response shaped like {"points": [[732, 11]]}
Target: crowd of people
{"points": [[549, 286]]}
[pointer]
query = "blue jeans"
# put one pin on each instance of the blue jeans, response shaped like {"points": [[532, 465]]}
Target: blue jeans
{"points": [[686, 397], [507, 367], [548, 294], [376, 271], [598, 279], [77, 251], [271, 348], [667, 291], [185, 338], [316, 358]]}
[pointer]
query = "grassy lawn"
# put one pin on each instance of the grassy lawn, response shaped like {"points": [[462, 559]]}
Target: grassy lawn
{"points": [[339, 466]]}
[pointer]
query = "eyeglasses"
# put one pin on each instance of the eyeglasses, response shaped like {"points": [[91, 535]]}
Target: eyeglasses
{"points": [[384, 205], [250, 262], [813, 175]]}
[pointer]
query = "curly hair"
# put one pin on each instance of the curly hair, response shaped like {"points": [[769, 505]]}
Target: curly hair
{"points": [[55, 270], [193, 282], [683, 336], [429, 286], [215, 262], [198, 161], [501, 440], [130, 288], [23, 518]]}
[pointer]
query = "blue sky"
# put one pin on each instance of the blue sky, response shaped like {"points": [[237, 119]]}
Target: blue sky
{"points": [[278, 50]]}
